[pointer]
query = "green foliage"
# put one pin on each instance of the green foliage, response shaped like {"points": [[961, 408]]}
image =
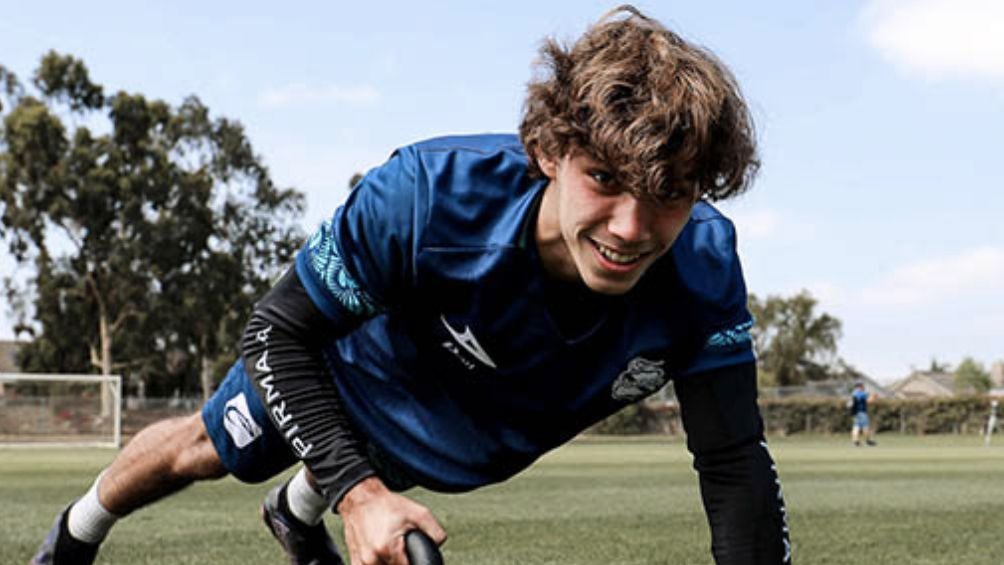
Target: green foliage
{"points": [[950, 415], [10, 87], [793, 343], [65, 79], [637, 418], [970, 376], [799, 415], [149, 242]]}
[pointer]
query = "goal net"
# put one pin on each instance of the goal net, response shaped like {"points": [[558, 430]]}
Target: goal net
{"points": [[60, 410]]}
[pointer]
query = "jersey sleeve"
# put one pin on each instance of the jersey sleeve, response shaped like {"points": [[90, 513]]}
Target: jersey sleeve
{"points": [[710, 269], [357, 264], [727, 346]]}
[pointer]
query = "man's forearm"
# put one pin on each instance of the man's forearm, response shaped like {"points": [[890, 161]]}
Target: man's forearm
{"points": [[739, 482], [745, 507], [282, 357]]}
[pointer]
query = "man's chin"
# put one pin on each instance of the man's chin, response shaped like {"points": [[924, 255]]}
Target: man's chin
{"points": [[610, 286]]}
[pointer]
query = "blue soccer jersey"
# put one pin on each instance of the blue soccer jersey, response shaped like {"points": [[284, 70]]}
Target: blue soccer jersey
{"points": [[462, 367]]}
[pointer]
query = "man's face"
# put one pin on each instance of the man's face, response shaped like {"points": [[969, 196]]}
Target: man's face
{"points": [[608, 237]]}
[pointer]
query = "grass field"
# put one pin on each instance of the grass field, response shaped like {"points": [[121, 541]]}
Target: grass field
{"points": [[927, 500]]}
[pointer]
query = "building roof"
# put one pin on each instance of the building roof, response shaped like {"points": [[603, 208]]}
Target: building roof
{"points": [[924, 384]]}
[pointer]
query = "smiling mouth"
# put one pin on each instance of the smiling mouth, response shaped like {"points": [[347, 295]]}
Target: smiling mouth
{"points": [[617, 257]]}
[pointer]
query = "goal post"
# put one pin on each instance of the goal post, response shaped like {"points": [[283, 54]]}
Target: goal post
{"points": [[57, 410]]}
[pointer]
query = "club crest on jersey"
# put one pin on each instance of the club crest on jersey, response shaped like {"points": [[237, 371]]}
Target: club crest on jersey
{"points": [[465, 340], [641, 378]]}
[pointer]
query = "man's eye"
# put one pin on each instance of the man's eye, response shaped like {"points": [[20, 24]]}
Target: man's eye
{"points": [[601, 177]]}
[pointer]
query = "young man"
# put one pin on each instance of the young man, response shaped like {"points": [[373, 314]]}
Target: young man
{"points": [[481, 300], [860, 426]]}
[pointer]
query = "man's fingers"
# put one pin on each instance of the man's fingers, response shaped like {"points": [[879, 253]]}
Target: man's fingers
{"points": [[435, 532], [426, 522]]}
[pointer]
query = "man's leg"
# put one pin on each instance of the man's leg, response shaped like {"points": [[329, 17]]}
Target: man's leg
{"points": [[176, 452], [293, 512], [870, 435], [162, 459], [253, 450]]}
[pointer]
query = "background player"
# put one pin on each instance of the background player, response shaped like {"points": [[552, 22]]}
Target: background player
{"points": [[860, 426], [991, 422]]}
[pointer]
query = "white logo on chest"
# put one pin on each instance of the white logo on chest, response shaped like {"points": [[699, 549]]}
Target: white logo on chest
{"points": [[469, 343]]}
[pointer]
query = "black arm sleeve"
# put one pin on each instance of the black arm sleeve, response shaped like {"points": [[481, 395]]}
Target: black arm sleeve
{"points": [[739, 483], [281, 350]]}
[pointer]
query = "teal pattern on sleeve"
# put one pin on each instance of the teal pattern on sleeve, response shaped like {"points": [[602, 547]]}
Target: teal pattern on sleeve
{"points": [[330, 269], [730, 337]]}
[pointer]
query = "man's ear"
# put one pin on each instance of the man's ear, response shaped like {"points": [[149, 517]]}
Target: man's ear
{"points": [[547, 165]]}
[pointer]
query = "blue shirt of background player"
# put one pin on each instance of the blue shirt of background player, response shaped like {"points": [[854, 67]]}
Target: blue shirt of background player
{"points": [[859, 398], [464, 366]]}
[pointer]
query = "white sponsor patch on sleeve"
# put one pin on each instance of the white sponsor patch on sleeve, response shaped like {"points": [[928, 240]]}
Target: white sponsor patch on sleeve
{"points": [[238, 421]]}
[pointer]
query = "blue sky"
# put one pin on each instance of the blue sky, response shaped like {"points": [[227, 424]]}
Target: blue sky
{"points": [[880, 123]]}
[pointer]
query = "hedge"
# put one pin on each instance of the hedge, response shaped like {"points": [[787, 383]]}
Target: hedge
{"points": [[950, 415]]}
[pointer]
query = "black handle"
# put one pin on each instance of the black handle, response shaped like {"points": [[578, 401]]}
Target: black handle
{"points": [[421, 549]]}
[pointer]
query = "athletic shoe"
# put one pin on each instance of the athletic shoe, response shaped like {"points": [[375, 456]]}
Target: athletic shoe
{"points": [[60, 548], [871, 442], [304, 545]]}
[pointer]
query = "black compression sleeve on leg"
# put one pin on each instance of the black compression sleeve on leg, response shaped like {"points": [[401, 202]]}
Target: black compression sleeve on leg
{"points": [[739, 484], [281, 350]]}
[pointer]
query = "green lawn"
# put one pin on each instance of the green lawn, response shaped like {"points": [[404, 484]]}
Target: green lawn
{"points": [[910, 500]]}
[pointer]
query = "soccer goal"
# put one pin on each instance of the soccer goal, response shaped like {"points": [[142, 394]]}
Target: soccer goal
{"points": [[60, 410]]}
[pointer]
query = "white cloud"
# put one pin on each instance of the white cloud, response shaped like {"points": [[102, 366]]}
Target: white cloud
{"points": [[294, 94], [938, 280], [760, 223], [939, 38]]}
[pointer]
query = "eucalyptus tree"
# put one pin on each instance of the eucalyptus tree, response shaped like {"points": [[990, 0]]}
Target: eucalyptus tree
{"points": [[149, 227], [794, 344]]}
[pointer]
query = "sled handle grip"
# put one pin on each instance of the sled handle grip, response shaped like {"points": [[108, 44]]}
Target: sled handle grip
{"points": [[421, 549]]}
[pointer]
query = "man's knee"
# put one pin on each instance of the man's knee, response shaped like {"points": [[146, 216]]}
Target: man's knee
{"points": [[196, 457], [183, 447]]}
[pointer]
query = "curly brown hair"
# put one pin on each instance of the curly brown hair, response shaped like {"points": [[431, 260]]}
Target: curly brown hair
{"points": [[663, 114]]}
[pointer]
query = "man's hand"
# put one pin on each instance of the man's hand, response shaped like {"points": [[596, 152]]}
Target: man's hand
{"points": [[376, 520]]}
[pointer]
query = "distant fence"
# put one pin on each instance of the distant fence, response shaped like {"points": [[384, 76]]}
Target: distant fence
{"points": [[782, 416], [786, 416], [139, 413]]}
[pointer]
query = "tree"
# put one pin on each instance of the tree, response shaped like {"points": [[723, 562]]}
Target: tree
{"points": [[938, 367], [150, 237], [793, 344], [971, 376]]}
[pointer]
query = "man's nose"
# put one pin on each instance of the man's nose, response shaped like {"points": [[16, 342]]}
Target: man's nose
{"points": [[629, 220]]}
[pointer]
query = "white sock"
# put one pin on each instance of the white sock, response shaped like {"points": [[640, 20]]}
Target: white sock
{"points": [[305, 503], [88, 520]]}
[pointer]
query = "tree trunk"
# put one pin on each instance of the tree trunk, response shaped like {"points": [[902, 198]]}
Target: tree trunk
{"points": [[205, 370], [206, 378], [107, 397]]}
